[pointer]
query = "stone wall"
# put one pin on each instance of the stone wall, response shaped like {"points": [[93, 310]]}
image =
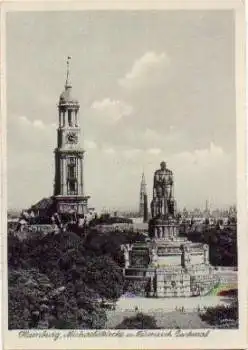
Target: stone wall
{"points": [[197, 258], [172, 285], [137, 286], [169, 260]]}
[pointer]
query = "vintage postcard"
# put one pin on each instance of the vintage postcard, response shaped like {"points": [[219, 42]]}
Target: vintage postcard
{"points": [[123, 201]]}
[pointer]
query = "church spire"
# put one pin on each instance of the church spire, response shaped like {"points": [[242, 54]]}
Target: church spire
{"points": [[66, 100], [143, 183], [67, 82], [143, 198]]}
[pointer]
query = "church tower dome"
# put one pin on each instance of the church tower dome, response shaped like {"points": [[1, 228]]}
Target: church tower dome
{"points": [[68, 106], [66, 99]]}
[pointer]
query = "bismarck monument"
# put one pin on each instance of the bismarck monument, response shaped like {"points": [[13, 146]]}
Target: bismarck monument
{"points": [[167, 265], [163, 206]]}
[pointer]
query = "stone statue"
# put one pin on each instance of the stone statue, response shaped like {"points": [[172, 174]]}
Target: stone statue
{"points": [[126, 248], [163, 182], [153, 256], [163, 204], [126, 257]]}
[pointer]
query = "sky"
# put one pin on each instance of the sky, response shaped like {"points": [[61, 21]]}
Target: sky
{"points": [[152, 85]]}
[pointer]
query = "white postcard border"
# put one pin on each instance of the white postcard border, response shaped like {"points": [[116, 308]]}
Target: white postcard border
{"points": [[220, 339]]}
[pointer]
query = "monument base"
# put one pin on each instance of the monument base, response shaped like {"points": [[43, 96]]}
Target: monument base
{"points": [[169, 268], [180, 282], [71, 204], [163, 229], [170, 281]]}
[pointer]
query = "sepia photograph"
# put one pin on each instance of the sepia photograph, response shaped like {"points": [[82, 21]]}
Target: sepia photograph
{"points": [[123, 205]]}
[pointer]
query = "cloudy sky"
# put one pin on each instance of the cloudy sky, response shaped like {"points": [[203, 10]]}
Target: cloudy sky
{"points": [[152, 86]]}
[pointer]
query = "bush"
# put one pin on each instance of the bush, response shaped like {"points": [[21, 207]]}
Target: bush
{"points": [[222, 316], [140, 321]]}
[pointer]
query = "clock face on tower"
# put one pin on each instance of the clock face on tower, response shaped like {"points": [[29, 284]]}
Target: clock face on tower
{"points": [[72, 137]]}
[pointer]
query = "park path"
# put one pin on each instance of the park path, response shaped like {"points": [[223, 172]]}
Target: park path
{"points": [[189, 304], [167, 311], [164, 320]]}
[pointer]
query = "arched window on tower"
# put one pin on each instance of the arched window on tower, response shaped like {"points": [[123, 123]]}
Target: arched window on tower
{"points": [[60, 118], [71, 177]]}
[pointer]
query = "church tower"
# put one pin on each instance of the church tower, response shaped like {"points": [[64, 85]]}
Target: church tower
{"points": [[69, 183]]}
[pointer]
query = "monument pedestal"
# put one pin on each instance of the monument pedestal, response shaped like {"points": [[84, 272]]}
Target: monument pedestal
{"points": [[160, 229], [71, 204]]}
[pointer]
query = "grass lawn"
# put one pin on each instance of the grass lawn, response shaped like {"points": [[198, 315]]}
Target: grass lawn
{"points": [[222, 287]]}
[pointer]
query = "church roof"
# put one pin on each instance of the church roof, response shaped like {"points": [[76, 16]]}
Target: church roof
{"points": [[44, 203]]}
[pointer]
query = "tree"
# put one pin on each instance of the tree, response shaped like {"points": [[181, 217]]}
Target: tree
{"points": [[139, 321], [55, 281], [28, 290], [34, 302], [222, 316], [222, 244], [105, 276]]}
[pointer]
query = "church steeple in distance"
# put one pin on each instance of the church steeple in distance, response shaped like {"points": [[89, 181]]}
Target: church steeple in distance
{"points": [[143, 207]]}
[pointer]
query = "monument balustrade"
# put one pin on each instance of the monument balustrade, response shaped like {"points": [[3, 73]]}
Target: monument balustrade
{"points": [[41, 228]]}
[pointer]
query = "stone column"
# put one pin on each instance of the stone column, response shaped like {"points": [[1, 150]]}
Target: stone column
{"points": [[187, 257], [151, 285], [161, 231], [61, 175], [81, 175], [64, 183], [183, 256], [206, 254], [163, 206], [168, 228], [60, 118], [63, 118], [154, 256], [76, 118], [127, 248], [77, 175], [155, 232]]}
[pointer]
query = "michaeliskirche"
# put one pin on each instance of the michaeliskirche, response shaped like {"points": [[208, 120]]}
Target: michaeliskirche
{"points": [[68, 194]]}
